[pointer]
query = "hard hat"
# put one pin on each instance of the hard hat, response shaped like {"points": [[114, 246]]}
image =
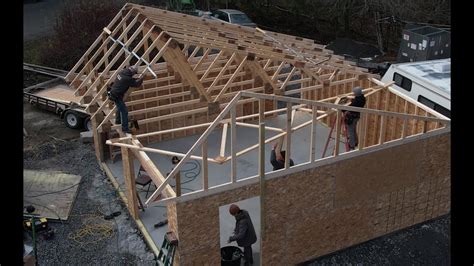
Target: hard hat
{"points": [[357, 91], [133, 69]]}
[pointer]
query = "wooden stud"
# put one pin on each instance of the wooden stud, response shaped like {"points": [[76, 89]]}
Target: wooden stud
{"points": [[312, 145], [288, 136], [178, 183], [129, 175], [233, 148], [338, 133], [205, 167], [223, 140]]}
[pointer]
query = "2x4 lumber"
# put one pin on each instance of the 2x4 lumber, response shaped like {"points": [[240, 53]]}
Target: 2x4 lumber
{"points": [[261, 174], [288, 136], [201, 60], [362, 130], [223, 140], [335, 106], [405, 121], [280, 67], [217, 79], [231, 79], [203, 137], [312, 145], [414, 129], [338, 132], [191, 56], [128, 170], [98, 144], [91, 48], [383, 128], [211, 66], [395, 122], [158, 151], [155, 174], [256, 126], [205, 166], [282, 88], [233, 137], [177, 178]]}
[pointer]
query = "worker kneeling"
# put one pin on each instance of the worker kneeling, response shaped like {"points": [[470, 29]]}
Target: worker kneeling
{"points": [[277, 157], [244, 232]]}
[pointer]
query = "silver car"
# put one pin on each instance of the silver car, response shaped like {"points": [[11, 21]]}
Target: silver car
{"points": [[233, 16]]}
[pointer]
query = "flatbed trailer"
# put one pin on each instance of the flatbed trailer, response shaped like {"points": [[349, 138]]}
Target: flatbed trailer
{"points": [[56, 96]]}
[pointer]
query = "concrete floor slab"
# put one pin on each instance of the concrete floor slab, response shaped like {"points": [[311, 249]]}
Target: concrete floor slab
{"points": [[247, 166]]}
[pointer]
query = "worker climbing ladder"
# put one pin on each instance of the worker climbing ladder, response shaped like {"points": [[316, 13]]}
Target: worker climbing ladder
{"points": [[344, 132], [168, 248], [127, 51]]}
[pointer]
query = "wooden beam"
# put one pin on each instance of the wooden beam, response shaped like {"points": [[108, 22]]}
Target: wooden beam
{"points": [[129, 175], [338, 133], [217, 79], [223, 140], [229, 82], [312, 145], [233, 148], [288, 136], [205, 166], [362, 130], [203, 57], [261, 174]]}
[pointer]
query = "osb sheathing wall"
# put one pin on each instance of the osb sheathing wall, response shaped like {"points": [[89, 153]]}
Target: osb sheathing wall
{"points": [[321, 210]]}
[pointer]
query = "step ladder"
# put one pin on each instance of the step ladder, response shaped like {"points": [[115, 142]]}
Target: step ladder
{"points": [[168, 248], [127, 51], [344, 132]]}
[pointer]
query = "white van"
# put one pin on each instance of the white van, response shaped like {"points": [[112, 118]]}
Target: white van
{"points": [[428, 82]]}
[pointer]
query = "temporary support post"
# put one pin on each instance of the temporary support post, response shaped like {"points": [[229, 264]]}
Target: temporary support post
{"points": [[233, 148], [128, 170], [261, 174], [288, 135]]}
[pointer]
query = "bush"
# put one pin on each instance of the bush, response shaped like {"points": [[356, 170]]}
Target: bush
{"points": [[78, 24]]}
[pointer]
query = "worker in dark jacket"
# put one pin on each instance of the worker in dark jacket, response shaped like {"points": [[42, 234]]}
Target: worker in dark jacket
{"points": [[244, 233], [277, 157], [117, 92], [351, 118]]}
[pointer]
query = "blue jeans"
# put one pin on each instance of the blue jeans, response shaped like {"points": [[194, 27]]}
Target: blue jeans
{"points": [[352, 128], [122, 114]]}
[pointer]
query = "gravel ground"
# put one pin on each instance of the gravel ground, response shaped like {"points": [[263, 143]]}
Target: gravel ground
{"points": [[51, 146], [423, 244]]}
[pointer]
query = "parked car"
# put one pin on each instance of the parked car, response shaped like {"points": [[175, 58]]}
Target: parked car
{"points": [[233, 16]]}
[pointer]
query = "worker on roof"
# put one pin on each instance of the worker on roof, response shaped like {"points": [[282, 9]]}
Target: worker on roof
{"points": [[244, 232], [118, 92], [277, 157], [351, 118]]}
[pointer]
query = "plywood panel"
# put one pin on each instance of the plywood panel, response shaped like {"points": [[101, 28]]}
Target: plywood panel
{"points": [[36, 185]]}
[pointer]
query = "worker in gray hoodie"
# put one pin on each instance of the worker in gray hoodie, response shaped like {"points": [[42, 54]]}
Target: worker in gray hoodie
{"points": [[117, 92], [244, 232]]}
